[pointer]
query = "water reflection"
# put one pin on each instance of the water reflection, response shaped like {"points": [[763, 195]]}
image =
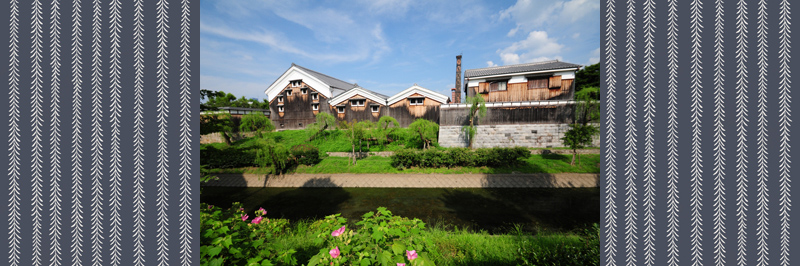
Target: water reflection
{"points": [[494, 210]]}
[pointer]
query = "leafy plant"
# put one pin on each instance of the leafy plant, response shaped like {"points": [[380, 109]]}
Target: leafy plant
{"points": [[426, 130], [275, 154], [324, 121], [582, 132], [381, 239], [217, 122], [386, 127], [230, 237], [256, 122], [477, 110], [305, 154]]}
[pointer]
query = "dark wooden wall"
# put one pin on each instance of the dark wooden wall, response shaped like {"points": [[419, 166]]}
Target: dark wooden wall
{"points": [[518, 92], [297, 113], [510, 115]]}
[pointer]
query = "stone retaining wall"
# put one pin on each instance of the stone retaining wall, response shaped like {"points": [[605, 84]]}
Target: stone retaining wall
{"points": [[218, 138], [525, 135]]}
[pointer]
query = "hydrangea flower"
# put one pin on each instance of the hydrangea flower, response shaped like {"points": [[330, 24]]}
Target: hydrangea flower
{"points": [[257, 220], [411, 255], [335, 252], [210, 206], [338, 232], [263, 211], [401, 264]]}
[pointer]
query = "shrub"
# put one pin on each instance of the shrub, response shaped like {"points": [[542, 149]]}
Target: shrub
{"points": [[305, 154], [230, 157], [427, 132], [275, 154], [381, 239], [460, 157], [230, 238], [256, 122], [491, 157]]}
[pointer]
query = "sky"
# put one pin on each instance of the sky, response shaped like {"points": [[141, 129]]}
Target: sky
{"points": [[386, 45]]}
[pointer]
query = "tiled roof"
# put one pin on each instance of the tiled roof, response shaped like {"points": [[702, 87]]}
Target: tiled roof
{"points": [[331, 81], [528, 67]]}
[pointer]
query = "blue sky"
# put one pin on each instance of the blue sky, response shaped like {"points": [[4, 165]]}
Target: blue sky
{"points": [[386, 45]]}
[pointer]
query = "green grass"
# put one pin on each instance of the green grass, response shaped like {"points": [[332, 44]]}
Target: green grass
{"points": [[464, 247], [551, 164]]}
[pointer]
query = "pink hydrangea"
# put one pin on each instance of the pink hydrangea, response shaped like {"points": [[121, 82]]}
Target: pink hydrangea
{"points": [[210, 206], [263, 211], [411, 255], [401, 264], [338, 232], [244, 217], [257, 220], [334, 252]]}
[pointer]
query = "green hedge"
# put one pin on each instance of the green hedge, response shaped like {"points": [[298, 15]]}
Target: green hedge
{"points": [[491, 157], [305, 154], [231, 157]]}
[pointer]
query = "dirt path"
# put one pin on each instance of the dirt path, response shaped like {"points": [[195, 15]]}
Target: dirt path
{"points": [[562, 180]]}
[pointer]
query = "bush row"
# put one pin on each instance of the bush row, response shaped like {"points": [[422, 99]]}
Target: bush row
{"points": [[233, 157], [491, 157]]}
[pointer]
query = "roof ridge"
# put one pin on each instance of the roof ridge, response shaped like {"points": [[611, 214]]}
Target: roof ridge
{"points": [[523, 64], [317, 72]]}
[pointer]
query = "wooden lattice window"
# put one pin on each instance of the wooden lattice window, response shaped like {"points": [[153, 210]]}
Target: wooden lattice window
{"points": [[499, 85], [555, 82], [538, 83]]}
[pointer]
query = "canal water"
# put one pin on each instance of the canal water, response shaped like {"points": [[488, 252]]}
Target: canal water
{"points": [[496, 210]]}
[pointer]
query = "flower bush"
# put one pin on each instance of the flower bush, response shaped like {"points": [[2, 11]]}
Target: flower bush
{"points": [[228, 238], [381, 239], [233, 237]]}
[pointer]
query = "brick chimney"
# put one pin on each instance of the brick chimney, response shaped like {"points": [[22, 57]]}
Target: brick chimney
{"points": [[457, 91], [456, 94]]}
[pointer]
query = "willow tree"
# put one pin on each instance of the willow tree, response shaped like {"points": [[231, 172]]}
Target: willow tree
{"points": [[256, 122], [386, 126], [427, 131], [477, 110], [324, 121]]}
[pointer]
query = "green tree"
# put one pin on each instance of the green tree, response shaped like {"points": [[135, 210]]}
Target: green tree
{"points": [[588, 76], [427, 131], [354, 131], [273, 153], [477, 110], [324, 121], [386, 126], [582, 130], [256, 122]]}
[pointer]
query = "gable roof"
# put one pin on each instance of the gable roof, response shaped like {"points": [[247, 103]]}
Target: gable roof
{"points": [[528, 67], [331, 81], [377, 97], [417, 89], [324, 84]]}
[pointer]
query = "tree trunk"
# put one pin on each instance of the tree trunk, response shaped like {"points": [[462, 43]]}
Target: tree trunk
{"points": [[226, 138], [574, 153]]}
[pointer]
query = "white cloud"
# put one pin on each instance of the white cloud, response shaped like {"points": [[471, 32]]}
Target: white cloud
{"points": [[530, 14], [387, 7], [537, 47], [350, 38], [490, 64], [576, 35]]}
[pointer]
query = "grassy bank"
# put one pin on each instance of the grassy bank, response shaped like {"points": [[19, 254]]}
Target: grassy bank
{"points": [[553, 163], [232, 237]]}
